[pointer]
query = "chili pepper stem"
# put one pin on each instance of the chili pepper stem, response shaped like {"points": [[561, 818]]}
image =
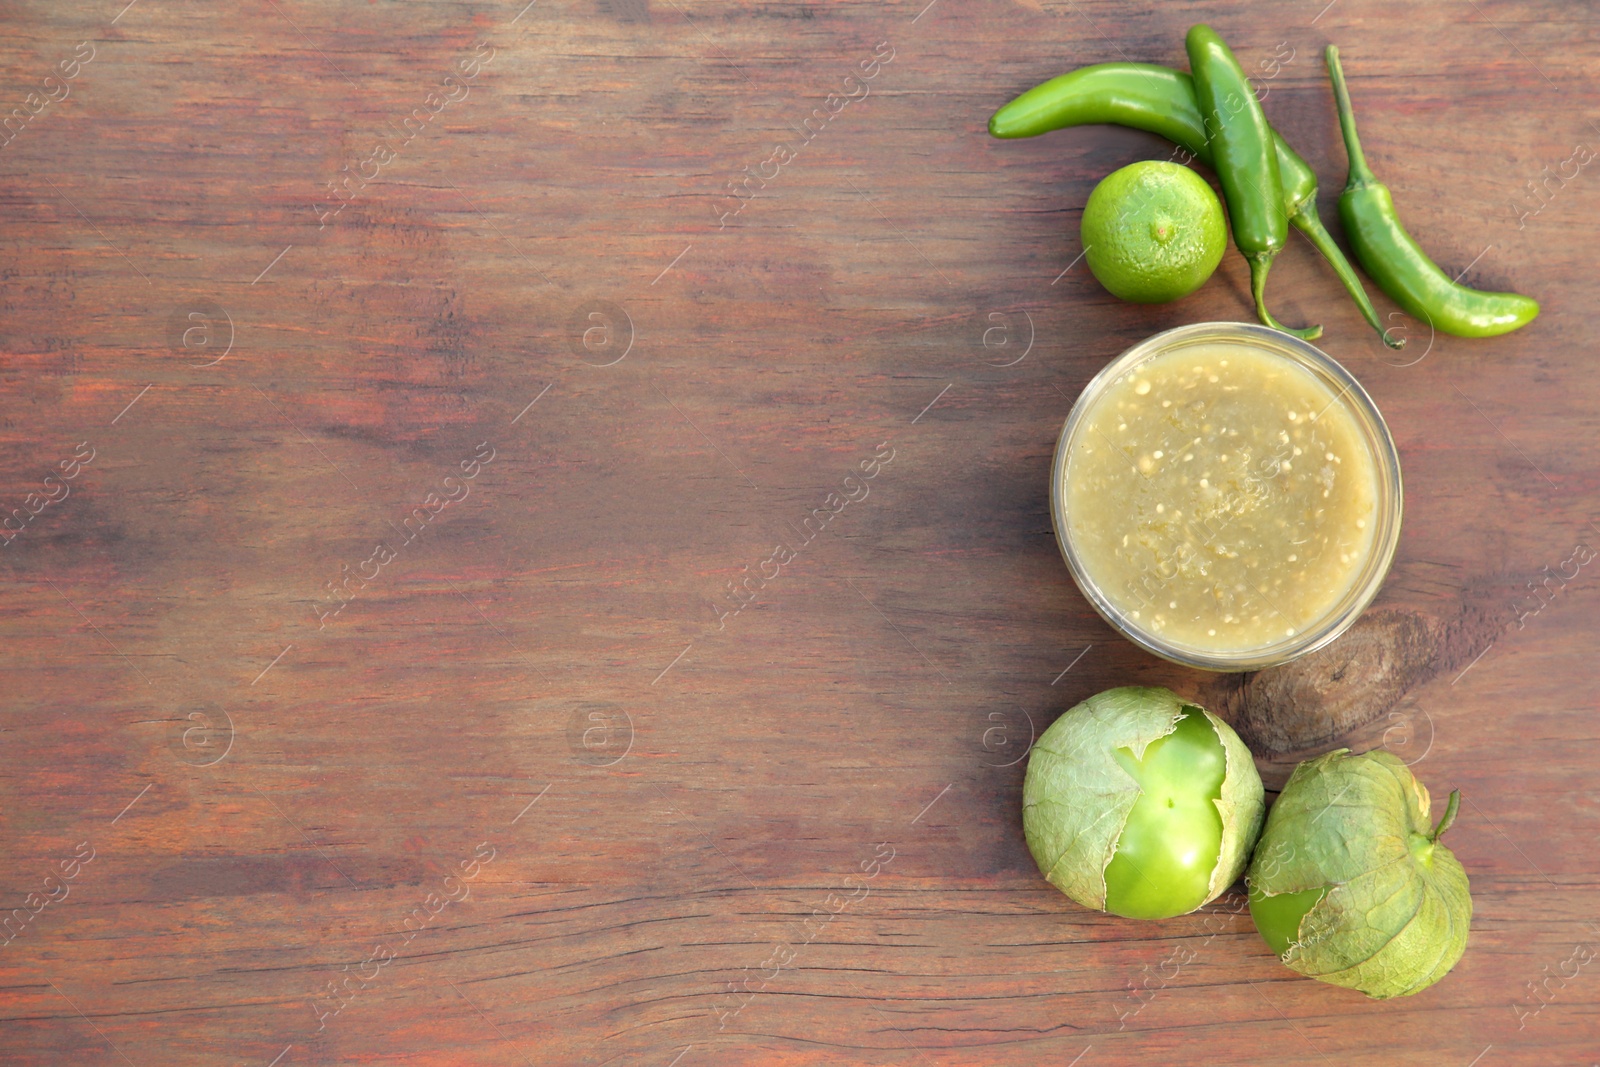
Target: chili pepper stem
{"points": [[1259, 265], [1307, 222], [1360, 173]]}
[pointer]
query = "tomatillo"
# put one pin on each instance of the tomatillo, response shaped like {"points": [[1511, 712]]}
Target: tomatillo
{"points": [[1350, 884], [1140, 803]]}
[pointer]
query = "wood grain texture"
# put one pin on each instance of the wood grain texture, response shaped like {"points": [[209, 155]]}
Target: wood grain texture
{"points": [[537, 793]]}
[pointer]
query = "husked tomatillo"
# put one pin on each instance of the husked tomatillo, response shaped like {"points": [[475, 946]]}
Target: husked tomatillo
{"points": [[1350, 884], [1140, 803]]}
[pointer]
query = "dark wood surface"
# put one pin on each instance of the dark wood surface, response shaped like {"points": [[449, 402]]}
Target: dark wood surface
{"points": [[535, 692]]}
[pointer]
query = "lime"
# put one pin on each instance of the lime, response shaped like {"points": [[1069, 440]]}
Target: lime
{"points": [[1153, 232]]}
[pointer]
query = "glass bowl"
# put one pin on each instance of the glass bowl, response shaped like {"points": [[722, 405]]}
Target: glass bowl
{"points": [[1371, 432]]}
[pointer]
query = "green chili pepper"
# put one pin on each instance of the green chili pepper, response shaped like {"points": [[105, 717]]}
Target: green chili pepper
{"points": [[1245, 159], [1397, 263], [1141, 95], [1160, 100]]}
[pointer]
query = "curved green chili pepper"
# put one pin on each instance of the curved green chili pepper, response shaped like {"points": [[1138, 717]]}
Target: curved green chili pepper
{"points": [[1243, 155], [1141, 95], [1160, 100], [1397, 263]]}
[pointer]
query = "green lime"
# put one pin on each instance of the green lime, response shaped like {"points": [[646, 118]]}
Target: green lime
{"points": [[1153, 232]]}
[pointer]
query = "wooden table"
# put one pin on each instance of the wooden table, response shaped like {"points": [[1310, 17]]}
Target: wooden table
{"points": [[532, 574]]}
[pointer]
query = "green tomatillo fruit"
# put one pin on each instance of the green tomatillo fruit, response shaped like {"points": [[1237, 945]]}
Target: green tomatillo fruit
{"points": [[1142, 804], [1350, 884]]}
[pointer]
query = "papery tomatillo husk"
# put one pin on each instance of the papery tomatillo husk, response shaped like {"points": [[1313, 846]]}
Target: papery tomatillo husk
{"points": [[1387, 907], [1077, 796]]}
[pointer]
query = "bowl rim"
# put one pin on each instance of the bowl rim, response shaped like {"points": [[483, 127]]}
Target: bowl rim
{"points": [[1386, 459]]}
